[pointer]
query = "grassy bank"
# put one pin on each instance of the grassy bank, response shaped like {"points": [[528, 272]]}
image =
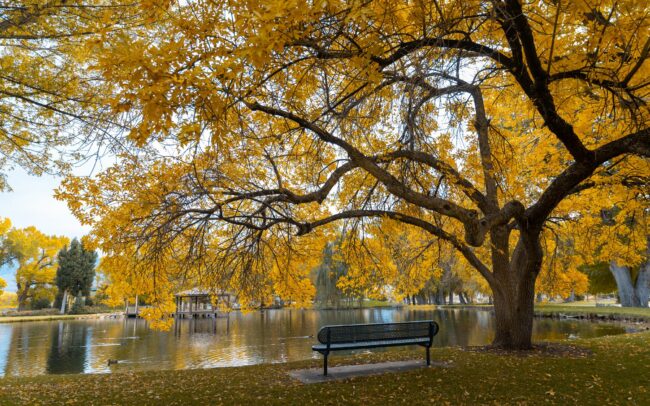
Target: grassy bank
{"points": [[616, 372], [365, 304], [17, 319], [607, 312], [579, 310]]}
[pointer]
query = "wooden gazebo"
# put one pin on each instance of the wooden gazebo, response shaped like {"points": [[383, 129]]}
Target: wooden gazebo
{"points": [[198, 303]]}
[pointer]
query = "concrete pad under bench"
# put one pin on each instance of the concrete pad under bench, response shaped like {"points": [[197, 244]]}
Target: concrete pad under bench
{"points": [[315, 375]]}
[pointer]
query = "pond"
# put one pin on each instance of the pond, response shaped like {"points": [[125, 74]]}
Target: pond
{"points": [[272, 336]]}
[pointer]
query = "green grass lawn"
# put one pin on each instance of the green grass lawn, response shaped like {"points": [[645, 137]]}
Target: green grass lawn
{"points": [[617, 372], [623, 312]]}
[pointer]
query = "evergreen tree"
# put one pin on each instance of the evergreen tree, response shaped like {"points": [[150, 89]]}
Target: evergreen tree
{"points": [[76, 271]]}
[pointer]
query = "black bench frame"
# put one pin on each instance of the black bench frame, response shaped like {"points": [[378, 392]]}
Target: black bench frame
{"points": [[359, 336]]}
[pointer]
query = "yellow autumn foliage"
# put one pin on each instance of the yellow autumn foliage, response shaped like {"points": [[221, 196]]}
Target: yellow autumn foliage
{"points": [[482, 124]]}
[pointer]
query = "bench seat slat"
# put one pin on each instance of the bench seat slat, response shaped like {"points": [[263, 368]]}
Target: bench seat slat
{"points": [[371, 344]]}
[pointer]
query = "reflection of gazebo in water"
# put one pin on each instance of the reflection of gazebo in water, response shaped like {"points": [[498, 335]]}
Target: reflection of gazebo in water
{"points": [[198, 302]]}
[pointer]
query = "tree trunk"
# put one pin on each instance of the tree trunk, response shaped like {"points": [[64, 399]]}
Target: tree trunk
{"points": [[451, 297], [64, 301], [22, 296], [462, 298], [514, 312], [78, 300], [572, 297], [513, 288], [440, 297], [626, 291], [642, 288]]}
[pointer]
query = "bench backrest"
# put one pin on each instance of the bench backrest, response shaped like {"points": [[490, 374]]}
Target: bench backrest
{"points": [[355, 333]]}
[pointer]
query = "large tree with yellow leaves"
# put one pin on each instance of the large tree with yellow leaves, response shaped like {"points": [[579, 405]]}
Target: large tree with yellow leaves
{"points": [[35, 255], [478, 122]]}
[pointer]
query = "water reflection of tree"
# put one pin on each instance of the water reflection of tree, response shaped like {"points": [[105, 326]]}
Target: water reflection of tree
{"points": [[27, 349], [68, 349]]}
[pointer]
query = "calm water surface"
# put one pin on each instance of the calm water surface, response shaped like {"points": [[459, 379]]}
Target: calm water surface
{"points": [[85, 346]]}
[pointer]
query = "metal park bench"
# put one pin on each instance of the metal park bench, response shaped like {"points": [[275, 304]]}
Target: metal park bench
{"points": [[358, 336]]}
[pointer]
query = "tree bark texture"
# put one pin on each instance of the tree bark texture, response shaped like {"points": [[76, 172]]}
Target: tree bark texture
{"points": [[626, 291], [64, 301]]}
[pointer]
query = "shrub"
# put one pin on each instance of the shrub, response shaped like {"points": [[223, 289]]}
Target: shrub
{"points": [[41, 303], [43, 312], [77, 308]]}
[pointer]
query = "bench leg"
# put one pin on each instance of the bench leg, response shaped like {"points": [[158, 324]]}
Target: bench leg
{"points": [[325, 363], [428, 356]]}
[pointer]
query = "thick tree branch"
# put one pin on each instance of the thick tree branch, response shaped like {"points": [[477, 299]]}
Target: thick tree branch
{"points": [[616, 88], [482, 125], [422, 157], [536, 89], [286, 195], [475, 232], [488, 203], [466, 251], [637, 143], [535, 85], [406, 48]]}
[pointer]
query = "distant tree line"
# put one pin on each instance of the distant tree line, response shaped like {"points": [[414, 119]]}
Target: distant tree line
{"points": [[50, 270]]}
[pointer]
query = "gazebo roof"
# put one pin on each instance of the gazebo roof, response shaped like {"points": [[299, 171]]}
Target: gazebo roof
{"points": [[200, 292]]}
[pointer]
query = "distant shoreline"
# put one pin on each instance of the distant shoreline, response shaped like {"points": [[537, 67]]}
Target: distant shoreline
{"points": [[557, 311], [579, 312], [24, 319]]}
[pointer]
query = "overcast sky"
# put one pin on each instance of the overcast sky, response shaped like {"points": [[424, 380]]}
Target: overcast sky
{"points": [[32, 203]]}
